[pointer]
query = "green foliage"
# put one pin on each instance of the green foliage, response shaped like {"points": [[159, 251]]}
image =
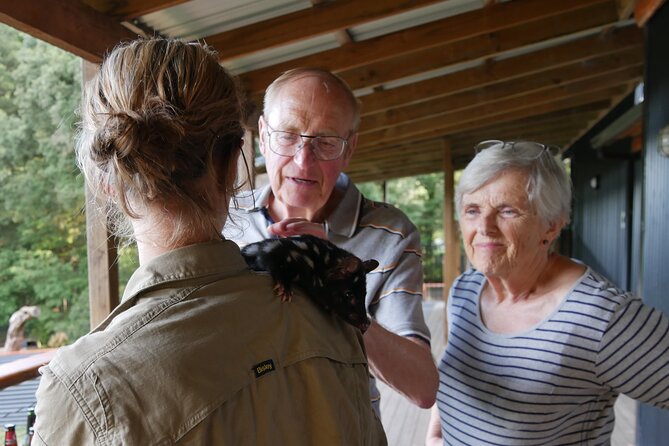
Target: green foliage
{"points": [[42, 228], [421, 198]]}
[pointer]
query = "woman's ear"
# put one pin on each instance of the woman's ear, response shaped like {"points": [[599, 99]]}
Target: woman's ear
{"points": [[554, 230], [225, 164]]}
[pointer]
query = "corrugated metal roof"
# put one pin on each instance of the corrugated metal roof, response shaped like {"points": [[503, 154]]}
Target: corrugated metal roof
{"points": [[199, 18]]}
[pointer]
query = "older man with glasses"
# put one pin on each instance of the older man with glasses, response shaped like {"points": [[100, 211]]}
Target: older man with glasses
{"points": [[307, 136]]}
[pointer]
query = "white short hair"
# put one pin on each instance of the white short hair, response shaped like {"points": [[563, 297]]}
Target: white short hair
{"points": [[549, 188], [299, 73]]}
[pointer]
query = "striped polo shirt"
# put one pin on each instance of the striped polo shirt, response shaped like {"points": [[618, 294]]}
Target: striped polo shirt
{"points": [[556, 383]]}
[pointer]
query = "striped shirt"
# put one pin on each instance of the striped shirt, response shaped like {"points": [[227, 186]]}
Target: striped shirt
{"points": [[556, 383]]}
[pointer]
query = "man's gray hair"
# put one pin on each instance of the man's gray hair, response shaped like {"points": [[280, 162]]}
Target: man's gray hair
{"points": [[298, 73], [548, 187]]}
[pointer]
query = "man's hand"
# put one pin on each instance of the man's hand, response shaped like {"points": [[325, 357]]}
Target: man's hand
{"points": [[297, 226]]}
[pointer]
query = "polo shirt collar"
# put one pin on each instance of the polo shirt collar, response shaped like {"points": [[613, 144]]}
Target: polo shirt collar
{"points": [[344, 218], [254, 200], [342, 221]]}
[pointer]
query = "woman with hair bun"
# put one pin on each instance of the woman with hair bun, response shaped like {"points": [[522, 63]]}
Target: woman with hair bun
{"points": [[200, 351]]}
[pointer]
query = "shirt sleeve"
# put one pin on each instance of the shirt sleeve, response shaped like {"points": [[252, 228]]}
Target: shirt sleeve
{"points": [[633, 357], [398, 304], [59, 418]]}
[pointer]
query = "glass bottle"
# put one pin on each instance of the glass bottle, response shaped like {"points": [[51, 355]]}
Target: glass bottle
{"points": [[30, 421], [10, 435]]}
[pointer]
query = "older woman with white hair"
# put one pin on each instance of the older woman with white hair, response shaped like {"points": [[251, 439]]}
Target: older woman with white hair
{"points": [[539, 345]]}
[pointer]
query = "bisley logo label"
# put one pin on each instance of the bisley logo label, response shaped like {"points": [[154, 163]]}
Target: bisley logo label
{"points": [[264, 368]]}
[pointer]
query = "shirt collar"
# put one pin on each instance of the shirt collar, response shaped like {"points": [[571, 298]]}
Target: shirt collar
{"points": [[342, 221], [344, 218], [195, 262]]}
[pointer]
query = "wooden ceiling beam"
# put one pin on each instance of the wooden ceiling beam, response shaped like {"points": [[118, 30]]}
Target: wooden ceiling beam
{"points": [[321, 18], [625, 8], [69, 25], [418, 149], [521, 129], [540, 134], [627, 75], [508, 110], [130, 9], [464, 143], [478, 23], [488, 128], [521, 86], [495, 71], [406, 162], [406, 65], [396, 172], [554, 127]]}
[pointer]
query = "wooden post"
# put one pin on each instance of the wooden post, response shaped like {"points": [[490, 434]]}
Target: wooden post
{"points": [[451, 267], [103, 289], [645, 9]]}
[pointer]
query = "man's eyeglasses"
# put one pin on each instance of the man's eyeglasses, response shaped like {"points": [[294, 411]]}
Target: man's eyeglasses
{"points": [[325, 148], [520, 146]]}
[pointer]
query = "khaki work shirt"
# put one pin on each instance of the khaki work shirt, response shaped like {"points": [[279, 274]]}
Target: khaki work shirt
{"points": [[201, 352], [370, 230]]}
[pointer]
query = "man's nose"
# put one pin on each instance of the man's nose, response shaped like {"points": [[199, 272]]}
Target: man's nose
{"points": [[305, 152]]}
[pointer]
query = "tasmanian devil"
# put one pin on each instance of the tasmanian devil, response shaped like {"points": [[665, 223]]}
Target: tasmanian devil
{"points": [[332, 277]]}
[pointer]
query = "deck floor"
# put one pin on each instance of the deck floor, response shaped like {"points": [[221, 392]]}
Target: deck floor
{"points": [[406, 424]]}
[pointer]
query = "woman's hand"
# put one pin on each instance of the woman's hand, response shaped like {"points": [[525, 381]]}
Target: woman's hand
{"points": [[297, 226], [433, 436]]}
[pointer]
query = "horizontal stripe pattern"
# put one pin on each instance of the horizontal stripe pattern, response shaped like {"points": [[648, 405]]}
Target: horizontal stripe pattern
{"points": [[557, 383]]}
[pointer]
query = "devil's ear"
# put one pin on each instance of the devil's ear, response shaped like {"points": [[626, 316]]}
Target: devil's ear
{"points": [[345, 267], [369, 265]]}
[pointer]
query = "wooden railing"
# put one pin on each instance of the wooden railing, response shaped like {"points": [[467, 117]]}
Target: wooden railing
{"points": [[23, 369], [433, 290]]}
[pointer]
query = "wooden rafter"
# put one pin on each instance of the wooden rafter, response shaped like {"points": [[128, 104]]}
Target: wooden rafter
{"points": [[487, 45], [130, 9], [554, 98], [322, 18], [474, 28], [575, 74], [506, 69], [70, 25]]}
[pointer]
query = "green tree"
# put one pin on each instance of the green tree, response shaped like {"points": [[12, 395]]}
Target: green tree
{"points": [[421, 198], [42, 226]]}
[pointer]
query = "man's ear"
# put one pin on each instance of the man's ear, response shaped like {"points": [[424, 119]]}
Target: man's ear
{"points": [[350, 148], [262, 134]]}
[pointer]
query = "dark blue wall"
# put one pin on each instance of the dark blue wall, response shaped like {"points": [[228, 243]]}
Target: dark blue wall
{"points": [[653, 424], [601, 224]]}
